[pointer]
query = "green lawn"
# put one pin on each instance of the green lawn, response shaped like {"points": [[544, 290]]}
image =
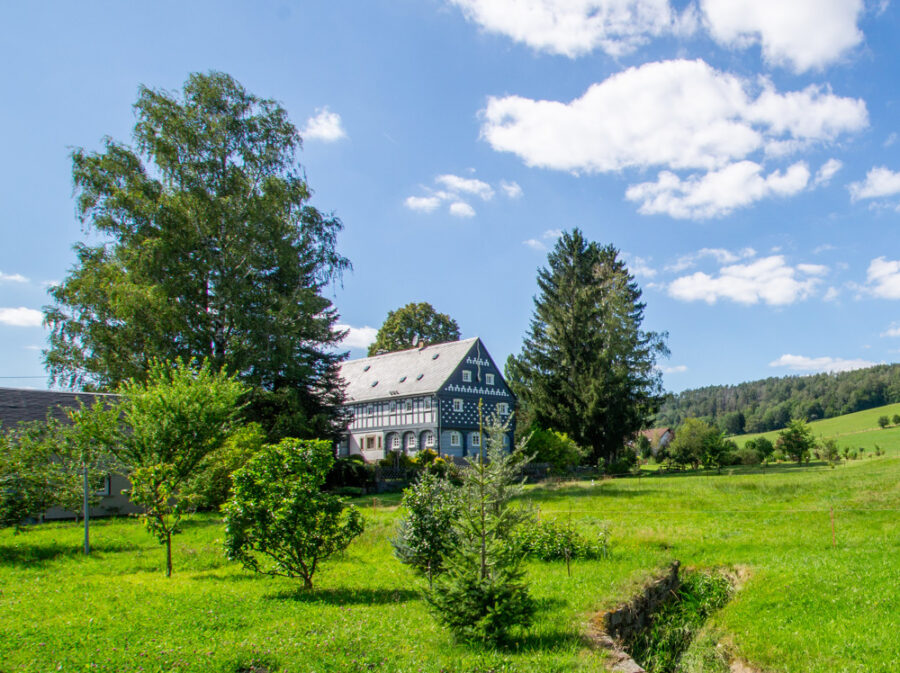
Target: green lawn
{"points": [[853, 430], [805, 606]]}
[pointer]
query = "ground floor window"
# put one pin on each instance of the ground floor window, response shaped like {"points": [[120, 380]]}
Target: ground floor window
{"points": [[411, 442], [395, 442], [454, 438], [476, 439], [429, 439]]}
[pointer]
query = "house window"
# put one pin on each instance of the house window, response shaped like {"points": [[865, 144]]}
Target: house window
{"points": [[505, 441], [467, 376], [395, 442], [457, 404], [454, 438], [411, 442], [370, 443], [370, 410], [427, 404], [393, 406], [489, 379], [503, 408], [429, 439], [475, 439], [407, 405]]}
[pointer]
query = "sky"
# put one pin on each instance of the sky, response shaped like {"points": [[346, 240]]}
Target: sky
{"points": [[743, 155]]}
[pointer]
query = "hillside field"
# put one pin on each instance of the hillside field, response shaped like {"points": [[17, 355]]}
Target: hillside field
{"points": [[855, 430], [805, 607]]}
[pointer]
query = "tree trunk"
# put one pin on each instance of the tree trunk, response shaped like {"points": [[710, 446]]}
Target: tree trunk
{"points": [[168, 554], [307, 583]]}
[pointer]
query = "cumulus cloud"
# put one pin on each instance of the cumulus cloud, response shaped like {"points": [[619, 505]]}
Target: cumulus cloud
{"points": [[801, 363], [716, 193], [831, 294], [12, 278], [325, 126], [679, 116], [640, 266], [769, 280], [457, 184], [676, 114], [879, 182], [461, 209], [542, 243], [892, 331], [424, 204], [883, 278], [511, 189], [800, 34], [576, 27], [357, 337], [21, 317], [721, 255], [827, 171]]}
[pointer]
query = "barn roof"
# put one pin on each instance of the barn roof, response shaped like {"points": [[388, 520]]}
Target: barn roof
{"points": [[417, 371]]}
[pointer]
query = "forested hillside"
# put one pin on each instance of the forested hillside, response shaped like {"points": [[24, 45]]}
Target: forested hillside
{"points": [[769, 404]]}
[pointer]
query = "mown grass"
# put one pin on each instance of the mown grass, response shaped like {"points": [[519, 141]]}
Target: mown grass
{"points": [[806, 606], [852, 430]]}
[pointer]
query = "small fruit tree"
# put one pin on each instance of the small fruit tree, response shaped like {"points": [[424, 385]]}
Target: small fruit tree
{"points": [[279, 521]]}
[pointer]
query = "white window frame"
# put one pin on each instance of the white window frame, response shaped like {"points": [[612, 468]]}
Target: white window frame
{"points": [[429, 439], [489, 379], [395, 442], [393, 406], [455, 438], [458, 404], [411, 442], [370, 410], [427, 404], [476, 440], [467, 376], [408, 406], [503, 408]]}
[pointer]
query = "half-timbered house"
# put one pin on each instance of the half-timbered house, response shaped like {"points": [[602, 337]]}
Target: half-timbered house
{"points": [[425, 397]]}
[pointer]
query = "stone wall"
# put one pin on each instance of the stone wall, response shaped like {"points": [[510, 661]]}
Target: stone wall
{"points": [[625, 621]]}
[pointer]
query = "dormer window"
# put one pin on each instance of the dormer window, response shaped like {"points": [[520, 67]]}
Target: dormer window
{"points": [[402, 379], [435, 356], [419, 377], [367, 368], [467, 376], [374, 383]]}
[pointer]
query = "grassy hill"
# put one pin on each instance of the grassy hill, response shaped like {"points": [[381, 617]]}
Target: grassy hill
{"points": [[855, 430], [805, 606]]}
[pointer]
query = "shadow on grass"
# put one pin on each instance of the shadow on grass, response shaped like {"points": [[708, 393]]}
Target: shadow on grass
{"points": [[600, 489], [548, 640], [27, 553], [202, 522], [346, 596]]}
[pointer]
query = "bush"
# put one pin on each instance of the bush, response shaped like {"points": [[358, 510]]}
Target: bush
{"points": [[554, 541], [425, 533], [623, 464], [830, 452], [748, 455], [883, 421], [279, 521], [349, 472], [555, 448]]}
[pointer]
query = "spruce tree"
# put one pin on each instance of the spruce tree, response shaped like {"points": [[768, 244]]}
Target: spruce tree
{"points": [[587, 368]]}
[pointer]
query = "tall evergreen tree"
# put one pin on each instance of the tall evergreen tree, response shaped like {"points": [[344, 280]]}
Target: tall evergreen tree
{"points": [[209, 250], [586, 367]]}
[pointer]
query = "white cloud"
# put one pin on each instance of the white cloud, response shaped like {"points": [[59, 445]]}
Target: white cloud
{"points": [[576, 27], [891, 139], [540, 245], [32, 348], [461, 209], [879, 182], [325, 126], [511, 189], [801, 34], [892, 331], [357, 337], [681, 116], [719, 254], [831, 294], [640, 266], [675, 369], [769, 280], [827, 171], [12, 278], [21, 317], [716, 193], [883, 278], [824, 364], [458, 185], [812, 269], [423, 204]]}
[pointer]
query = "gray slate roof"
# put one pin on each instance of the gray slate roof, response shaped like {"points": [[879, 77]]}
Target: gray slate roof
{"points": [[426, 370], [19, 404]]}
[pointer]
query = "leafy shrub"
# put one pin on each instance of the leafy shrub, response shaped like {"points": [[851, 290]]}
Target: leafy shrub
{"points": [[555, 448], [349, 472], [398, 459], [883, 421], [425, 533], [623, 463], [279, 521], [829, 451], [552, 541], [748, 455]]}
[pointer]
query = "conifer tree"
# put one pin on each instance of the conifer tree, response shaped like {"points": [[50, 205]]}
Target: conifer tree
{"points": [[587, 368]]}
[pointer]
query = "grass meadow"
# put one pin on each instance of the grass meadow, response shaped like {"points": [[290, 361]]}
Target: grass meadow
{"points": [[806, 604]]}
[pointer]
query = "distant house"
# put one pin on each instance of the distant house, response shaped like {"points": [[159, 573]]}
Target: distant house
{"points": [[659, 438], [18, 405], [425, 397]]}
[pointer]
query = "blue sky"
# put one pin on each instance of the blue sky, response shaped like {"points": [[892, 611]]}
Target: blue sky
{"points": [[742, 154]]}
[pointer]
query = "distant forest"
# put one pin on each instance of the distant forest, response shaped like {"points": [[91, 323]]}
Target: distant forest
{"points": [[770, 404]]}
